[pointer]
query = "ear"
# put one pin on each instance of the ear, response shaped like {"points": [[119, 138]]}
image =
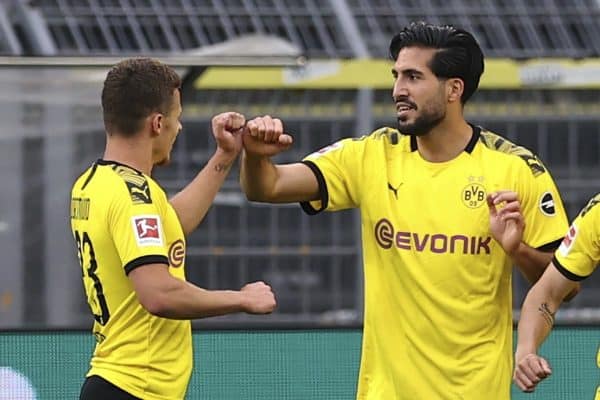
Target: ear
{"points": [[454, 89], [156, 123]]}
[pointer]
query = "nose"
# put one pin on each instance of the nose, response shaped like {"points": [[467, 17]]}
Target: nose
{"points": [[399, 89]]}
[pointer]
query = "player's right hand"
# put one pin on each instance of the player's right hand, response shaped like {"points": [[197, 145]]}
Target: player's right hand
{"points": [[264, 136], [530, 370], [226, 129], [258, 298]]}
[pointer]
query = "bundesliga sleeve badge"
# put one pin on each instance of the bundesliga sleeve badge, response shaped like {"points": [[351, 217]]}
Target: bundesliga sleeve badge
{"points": [[147, 230]]}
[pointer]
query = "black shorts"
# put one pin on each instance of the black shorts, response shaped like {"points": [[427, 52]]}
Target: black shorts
{"points": [[97, 388]]}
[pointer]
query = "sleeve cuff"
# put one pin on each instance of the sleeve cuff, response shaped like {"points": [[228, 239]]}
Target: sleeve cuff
{"points": [[565, 272], [144, 260], [323, 193]]}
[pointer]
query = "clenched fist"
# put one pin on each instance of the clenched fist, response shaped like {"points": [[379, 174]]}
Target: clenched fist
{"points": [[258, 298]]}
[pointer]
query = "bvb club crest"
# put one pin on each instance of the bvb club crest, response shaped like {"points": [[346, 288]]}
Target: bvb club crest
{"points": [[473, 195]]}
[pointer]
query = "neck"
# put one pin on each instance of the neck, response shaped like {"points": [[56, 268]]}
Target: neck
{"points": [[131, 151], [446, 141]]}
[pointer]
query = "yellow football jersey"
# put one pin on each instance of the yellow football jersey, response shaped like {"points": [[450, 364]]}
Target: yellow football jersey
{"points": [[579, 252], [121, 220], [438, 305]]}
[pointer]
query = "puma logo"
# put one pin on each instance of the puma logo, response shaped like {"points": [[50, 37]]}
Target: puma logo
{"points": [[140, 194], [394, 189]]}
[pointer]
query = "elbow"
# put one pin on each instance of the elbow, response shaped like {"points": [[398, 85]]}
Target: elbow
{"points": [[156, 305], [253, 196], [256, 195]]}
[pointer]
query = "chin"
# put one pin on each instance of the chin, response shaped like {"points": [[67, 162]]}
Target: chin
{"points": [[411, 129], [164, 162]]}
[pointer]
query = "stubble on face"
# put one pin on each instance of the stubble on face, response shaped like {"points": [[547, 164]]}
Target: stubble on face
{"points": [[429, 115]]}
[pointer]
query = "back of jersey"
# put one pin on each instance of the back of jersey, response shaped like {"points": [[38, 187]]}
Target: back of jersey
{"points": [[121, 220]]}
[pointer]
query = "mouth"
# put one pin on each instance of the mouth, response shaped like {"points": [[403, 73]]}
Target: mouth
{"points": [[403, 108]]}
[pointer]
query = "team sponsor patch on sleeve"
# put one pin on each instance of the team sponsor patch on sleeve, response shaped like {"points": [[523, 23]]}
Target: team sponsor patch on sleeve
{"points": [[567, 243], [547, 204], [147, 230]]}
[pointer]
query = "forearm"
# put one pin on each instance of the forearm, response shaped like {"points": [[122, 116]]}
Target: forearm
{"points": [[532, 262], [258, 177], [536, 321], [182, 300], [192, 203]]}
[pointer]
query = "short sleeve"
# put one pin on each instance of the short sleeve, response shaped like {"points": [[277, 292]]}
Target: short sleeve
{"points": [[137, 232], [545, 217], [338, 168], [579, 252]]}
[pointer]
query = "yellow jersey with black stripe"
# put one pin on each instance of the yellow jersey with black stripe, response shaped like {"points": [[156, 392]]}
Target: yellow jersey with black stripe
{"points": [[579, 253], [121, 220], [438, 303]]}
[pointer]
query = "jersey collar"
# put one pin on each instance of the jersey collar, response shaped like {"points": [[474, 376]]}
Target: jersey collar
{"points": [[100, 161], [469, 148]]}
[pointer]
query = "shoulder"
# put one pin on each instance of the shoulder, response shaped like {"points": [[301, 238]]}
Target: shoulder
{"points": [[512, 152], [373, 145], [380, 138], [591, 207], [136, 186]]}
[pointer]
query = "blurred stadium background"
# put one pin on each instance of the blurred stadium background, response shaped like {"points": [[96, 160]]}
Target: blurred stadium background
{"points": [[320, 66]]}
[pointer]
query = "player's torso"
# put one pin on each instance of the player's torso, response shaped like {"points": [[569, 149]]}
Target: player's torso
{"points": [[128, 337], [102, 265], [437, 283], [431, 220]]}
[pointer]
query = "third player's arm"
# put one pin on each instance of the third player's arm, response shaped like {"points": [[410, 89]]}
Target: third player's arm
{"points": [[537, 319], [539, 307]]}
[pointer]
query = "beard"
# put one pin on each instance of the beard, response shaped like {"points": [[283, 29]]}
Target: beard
{"points": [[423, 124]]}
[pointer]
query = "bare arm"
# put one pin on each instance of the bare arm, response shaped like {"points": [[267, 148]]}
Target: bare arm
{"points": [[165, 296], [262, 180], [531, 262], [192, 203], [537, 319]]}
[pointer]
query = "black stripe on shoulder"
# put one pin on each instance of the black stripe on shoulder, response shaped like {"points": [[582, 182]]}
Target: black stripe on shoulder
{"points": [[565, 272], [323, 193], [550, 247], [89, 177], [144, 260], [503, 145], [136, 182]]}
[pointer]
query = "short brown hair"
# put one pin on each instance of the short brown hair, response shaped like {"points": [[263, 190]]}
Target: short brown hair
{"points": [[134, 89]]}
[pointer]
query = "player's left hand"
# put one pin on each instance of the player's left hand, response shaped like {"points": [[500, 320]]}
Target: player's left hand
{"points": [[227, 130], [530, 369], [265, 137], [506, 220]]}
